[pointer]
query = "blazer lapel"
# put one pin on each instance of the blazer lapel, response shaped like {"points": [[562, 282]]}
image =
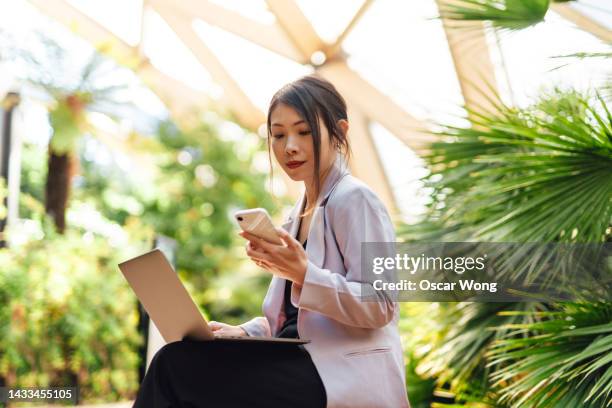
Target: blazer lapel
{"points": [[315, 248], [293, 223], [276, 292], [316, 238], [316, 235]]}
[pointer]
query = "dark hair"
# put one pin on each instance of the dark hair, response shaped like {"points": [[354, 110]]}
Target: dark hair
{"points": [[312, 98]]}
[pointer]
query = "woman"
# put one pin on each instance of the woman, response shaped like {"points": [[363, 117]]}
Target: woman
{"points": [[354, 358]]}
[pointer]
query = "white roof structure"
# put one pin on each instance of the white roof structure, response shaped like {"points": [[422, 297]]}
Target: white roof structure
{"points": [[435, 66]]}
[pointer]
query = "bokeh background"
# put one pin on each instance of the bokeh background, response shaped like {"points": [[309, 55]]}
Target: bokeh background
{"points": [[129, 122]]}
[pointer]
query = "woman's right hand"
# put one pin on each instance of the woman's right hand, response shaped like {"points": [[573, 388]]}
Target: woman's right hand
{"points": [[221, 329]]}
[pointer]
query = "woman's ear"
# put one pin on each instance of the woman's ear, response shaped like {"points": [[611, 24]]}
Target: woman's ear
{"points": [[344, 125]]}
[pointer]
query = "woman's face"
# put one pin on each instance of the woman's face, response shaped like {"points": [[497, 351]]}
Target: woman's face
{"points": [[293, 145]]}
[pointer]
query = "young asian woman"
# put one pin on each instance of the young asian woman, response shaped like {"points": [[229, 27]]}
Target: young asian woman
{"points": [[354, 357]]}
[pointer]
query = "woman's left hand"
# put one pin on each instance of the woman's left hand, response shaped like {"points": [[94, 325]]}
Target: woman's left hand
{"points": [[288, 261]]}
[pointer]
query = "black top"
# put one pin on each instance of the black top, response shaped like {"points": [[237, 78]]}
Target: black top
{"points": [[289, 329]]}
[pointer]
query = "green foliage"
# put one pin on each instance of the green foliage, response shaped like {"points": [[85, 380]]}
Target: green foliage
{"points": [[91, 340], [92, 87], [417, 334], [563, 359], [526, 175], [196, 182], [540, 174], [68, 316], [67, 127], [504, 14], [202, 181], [583, 55], [33, 176], [459, 355], [419, 389], [115, 193]]}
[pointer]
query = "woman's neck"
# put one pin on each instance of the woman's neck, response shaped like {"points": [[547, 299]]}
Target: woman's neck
{"points": [[310, 196], [311, 193]]}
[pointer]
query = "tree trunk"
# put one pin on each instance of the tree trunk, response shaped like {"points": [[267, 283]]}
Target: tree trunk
{"points": [[57, 188]]}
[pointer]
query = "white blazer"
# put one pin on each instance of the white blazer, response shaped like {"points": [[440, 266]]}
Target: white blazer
{"points": [[355, 345]]}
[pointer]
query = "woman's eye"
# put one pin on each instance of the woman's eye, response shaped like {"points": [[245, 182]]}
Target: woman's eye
{"points": [[305, 132], [278, 136]]}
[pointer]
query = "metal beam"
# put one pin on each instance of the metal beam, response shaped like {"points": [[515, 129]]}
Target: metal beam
{"points": [[366, 163], [583, 22], [177, 96], [297, 27], [377, 106], [470, 53], [239, 103], [85, 26], [141, 34], [270, 36]]}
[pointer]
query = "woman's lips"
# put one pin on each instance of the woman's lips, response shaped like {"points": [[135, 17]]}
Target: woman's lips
{"points": [[295, 164]]}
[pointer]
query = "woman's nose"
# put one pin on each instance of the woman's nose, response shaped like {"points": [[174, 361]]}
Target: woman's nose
{"points": [[291, 147]]}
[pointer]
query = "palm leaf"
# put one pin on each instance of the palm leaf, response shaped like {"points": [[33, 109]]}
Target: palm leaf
{"points": [[459, 358], [583, 55], [527, 176], [541, 174], [565, 358], [504, 14]]}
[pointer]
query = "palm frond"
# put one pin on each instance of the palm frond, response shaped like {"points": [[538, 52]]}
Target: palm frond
{"points": [[459, 358], [564, 358], [583, 55], [503, 14], [527, 176], [541, 174]]}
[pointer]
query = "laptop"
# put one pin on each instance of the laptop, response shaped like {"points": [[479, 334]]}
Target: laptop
{"points": [[170, 306]]}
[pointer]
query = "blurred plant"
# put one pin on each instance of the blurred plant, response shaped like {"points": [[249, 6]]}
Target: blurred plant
{"points": [[416, 334], [540, 174], [583, 55], [458, 359], [526, 175], [66, 314], [511, 15], [606, 87], [33, 177], [565, 360], [199, 180], [68, 317], [93, 88], [419, 388], [202, 181], [504, 14]]}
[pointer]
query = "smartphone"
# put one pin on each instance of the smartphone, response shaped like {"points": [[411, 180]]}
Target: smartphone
{"points": [[257, 221]]}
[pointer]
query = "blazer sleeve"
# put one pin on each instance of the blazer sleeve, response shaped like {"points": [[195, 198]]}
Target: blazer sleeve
{"points": [[257, 326], [358, 217]]}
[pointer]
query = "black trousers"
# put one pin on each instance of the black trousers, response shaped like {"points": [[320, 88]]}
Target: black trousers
{"points": [[230, 374]]}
